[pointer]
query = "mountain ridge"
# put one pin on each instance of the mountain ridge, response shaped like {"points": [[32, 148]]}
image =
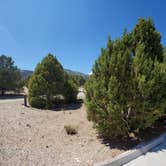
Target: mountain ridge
{"points": [[26, 73]]}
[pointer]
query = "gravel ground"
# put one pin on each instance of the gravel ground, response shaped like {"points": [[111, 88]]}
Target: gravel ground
{"points": [[34, 137]]}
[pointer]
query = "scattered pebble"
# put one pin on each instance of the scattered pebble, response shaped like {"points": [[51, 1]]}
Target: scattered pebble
{"points": [[77, 159], [28, 125]]}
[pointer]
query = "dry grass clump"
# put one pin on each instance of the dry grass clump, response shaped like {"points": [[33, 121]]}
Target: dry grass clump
{"points": [[70, 129]]}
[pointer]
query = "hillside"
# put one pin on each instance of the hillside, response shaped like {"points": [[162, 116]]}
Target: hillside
{"points": [[26, 73]]}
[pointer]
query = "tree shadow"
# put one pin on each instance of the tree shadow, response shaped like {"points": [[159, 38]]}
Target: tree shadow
{"points": [[125, 143], [67, 107], [144, 136], [160, 147], [11, 96]]}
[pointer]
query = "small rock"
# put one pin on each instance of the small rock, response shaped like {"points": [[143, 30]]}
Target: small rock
{"points": [[77, 159], [47, 146], [28, 125]]}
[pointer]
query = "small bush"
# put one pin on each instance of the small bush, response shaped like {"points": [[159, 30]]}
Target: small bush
{"points": [[70, 130], [37, 102]]}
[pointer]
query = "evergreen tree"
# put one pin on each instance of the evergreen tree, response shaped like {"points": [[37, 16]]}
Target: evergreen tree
{"points": [[164, 53], [46, 82], [146, 34], [126, 91], [70, 88], [108, 91], [10, 76], [97, 85], [148, 76]]}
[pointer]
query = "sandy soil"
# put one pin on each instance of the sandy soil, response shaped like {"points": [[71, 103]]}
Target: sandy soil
{"points": [[33, 137]]}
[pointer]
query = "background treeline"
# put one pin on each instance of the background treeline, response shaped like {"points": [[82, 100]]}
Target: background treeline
{"points": [[12, 79], [10, 76], [127, 90]]}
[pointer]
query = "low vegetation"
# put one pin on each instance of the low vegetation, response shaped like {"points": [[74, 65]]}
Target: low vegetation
{"points": [[126, 92], [71, 130]]}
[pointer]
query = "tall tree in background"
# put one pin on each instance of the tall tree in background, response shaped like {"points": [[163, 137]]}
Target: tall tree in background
{"points": [[148, 75], [145, 34], [70, 89], [9, 75]]}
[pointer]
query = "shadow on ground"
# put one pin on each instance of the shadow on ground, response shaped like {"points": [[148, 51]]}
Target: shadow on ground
{"points": [[67, 107], [127, 143], [11, 96]]}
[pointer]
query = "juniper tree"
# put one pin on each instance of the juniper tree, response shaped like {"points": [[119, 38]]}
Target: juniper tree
{"points": [[46, 82], [126, 91], [145, 33], [148, 76], [107, 90]]}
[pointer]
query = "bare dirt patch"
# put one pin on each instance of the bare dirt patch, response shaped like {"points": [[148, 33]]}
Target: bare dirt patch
{"points": [[37, 137]]}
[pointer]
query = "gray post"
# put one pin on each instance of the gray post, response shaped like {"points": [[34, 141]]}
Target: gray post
{"points": [[25, 100]]}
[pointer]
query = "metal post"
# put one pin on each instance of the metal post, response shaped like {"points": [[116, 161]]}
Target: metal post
{"points": [[25, 100]]}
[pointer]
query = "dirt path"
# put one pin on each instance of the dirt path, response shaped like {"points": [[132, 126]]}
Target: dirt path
{"points": [[33, 137], [11, 100]]}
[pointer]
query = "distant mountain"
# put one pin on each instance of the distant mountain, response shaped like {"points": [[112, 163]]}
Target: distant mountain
{"points": [[26, 73], [76, 73]]}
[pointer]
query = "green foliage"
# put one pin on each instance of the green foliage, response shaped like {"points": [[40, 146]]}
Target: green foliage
{"points": [[70, 89], [126, 91], [46, 82], [107, 90], [78, 80], [49, 84], [146, 34], [148, 90], [10, 76], [164, 53], [37, 102]]}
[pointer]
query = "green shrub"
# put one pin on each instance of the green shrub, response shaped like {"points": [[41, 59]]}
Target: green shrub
{"points": [[37, 102]]}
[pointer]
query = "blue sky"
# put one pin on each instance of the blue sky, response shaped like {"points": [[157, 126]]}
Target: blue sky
{"points": [[73, 30]]}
